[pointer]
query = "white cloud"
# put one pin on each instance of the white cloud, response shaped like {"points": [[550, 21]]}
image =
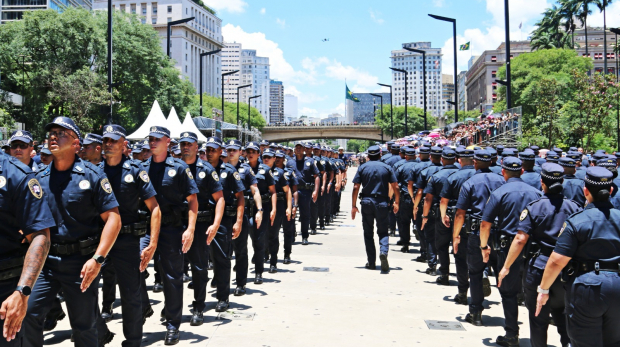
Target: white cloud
{"points": [[521, 11], [304, 98], [438, 3], [375, 17], [596, 18], [281, 22], [233, 6], [263, 10]]}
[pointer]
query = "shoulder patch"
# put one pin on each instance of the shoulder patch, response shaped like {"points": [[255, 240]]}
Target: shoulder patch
{"points": [[237, 177], [35, 188], [144, 176], [105, 184], [562, 230], [270, 173], [215, 176], [189, 173], [523, 215]]}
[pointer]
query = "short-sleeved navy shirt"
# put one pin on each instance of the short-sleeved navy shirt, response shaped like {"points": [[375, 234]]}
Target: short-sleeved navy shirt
{"points": [[23, 205], [291, 176], [437, 181], [247, 177], [132, 185], [592, 234], [475, 192], [425, 175], [403, 172], [580, 172], [532, 178], [375, 178], [507, 202], [416, 170], [455, 182], [76, 198], [279, 178], [173, 182], [207, 181], [573, 189], [542, 219], [307, 169], [230, 180], [264, 177]]}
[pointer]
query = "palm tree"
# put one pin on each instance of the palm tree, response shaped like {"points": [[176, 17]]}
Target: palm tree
{"points": [[581, 12], [548, 34], [602, 5], [567, 12]]}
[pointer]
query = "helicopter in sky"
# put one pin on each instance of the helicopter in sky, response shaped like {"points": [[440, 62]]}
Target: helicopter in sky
{"points": [[325, 40]]}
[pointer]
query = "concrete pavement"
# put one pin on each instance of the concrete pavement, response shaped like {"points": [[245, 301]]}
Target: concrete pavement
{"points": [[346, 306]]}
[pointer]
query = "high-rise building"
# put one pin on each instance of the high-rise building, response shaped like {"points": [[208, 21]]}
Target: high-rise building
{"points": [[276, 102], [461, 90], [291, 108], [447, 89], [231, 61], [187, 41], [412, 63], [11, 10], [362, 112]]}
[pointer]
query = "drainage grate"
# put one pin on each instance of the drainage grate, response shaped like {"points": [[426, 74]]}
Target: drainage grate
{"points": [[316, 269], [234, 315], [347, 225], [444, 325]]}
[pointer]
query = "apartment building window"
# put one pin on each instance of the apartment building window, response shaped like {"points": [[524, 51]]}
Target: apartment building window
{"points": [[153, 20], [133, 8], [493, 58], [169, 19], [143, 20], [154, 6], [122, 8], [185, 56], [169, 9], [493, 74]]}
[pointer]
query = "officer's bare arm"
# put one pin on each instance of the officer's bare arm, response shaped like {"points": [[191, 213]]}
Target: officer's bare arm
{"points": [[35, 257], [112, 226], [153, 206], [240, 207], [257, 199], [410, 189], [428, 201], [418, 198], [192, 203], [396, 191], [485, 232], [459, 220], [516, 247], [220, 204], [554, 266], [443, 207], [356, 190]]}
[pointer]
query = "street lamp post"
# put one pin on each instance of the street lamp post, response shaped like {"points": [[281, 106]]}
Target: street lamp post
{"points": [[391, 110], [110, 57], [249, 109], [423, 76], [238, 88], [406, 87], [224, 75], [381, 100], [169, 32], [456, 96], [205, 54], [617, 31]]}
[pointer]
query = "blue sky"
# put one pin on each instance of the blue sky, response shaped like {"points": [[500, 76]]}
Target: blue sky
{"points": [[361, 35]]}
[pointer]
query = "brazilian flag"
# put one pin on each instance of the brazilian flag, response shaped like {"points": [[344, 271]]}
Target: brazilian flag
{"points": [[350, 95], [464, 47]]}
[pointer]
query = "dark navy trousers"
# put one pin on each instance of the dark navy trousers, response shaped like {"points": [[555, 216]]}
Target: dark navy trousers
{"points": [[405, 216], [305, 211], [429, 236], [511, 286], [476, 268], [240, 245], [554, 308], [443, 237], [460, 262], [274, 232], [318, 210], [375, 210], [259, 238], [198, 257], [221, 248], [288, 227]]}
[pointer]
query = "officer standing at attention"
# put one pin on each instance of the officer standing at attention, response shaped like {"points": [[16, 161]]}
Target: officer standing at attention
{"points": [[496, 164], [542, 220], [442, 233], [530, 176], [79, 195], [506, 203], [93, 144], [449, 196], [572, 186], [405, 215], [21, 147], [288, 226], [125, 262], [588, 249], [24, 215], [473, 197], [331, 172], [379, 183], [318, 207], [232, 222], [283, 210], [539, 160], [309, 183], [174, 184], [414, 172]]}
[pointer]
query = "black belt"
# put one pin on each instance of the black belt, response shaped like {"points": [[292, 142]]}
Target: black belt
{"points": [[230, 211], [11, 267], [584, 266], [472, 224], [170, 220], [83, 247], [204, 216], [265, 197], [281, 196], [136, 229], [373, 196], [306, 186]]}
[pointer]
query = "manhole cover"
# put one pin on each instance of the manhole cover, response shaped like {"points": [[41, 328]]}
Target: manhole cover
{"points": [[234, 315], [316, 269], [347, 225], [444, 325]]}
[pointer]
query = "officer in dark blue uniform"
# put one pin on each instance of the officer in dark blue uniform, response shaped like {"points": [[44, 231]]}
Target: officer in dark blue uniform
{"points": [[390, 161], [580, 171], [530, 176], [442, 233], [80, 196], [539, 160], [375, 178], [318, 207], [506, 203], [288, 225], [588, 248], [309, 184], [232, 221], [500, 150], [405, 213], [541, 220], [429, 229], [414, 172], [93, 147], [473, 197], [21, 146], [175, 185], [449, 195], [552, 157], [572, 186], [387, 154], [284, 208], [25, 215], [331, 171], [610, 164], [124, 262], [495, 167]]}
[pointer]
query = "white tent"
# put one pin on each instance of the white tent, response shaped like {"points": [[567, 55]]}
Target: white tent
{"points": [[155, 117], [174, 124], [188, 125]]}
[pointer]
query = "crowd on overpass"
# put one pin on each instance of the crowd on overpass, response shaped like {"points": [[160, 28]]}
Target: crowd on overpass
{"points": [[317, 124], [481, 130]]}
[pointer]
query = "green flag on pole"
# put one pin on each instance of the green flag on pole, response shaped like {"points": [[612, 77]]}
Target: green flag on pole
{"points": [[464, 47], [350, 95]]}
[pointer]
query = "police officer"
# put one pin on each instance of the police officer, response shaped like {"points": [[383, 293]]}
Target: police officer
{"points": [[174, 184], [473, 197], [506, 203], [267, 189], [588, 247], [21, 148], [124, 262], [80, 196], [318, 207], [572, 186], [284, 207], [390, 161], [405, 213], [93, 144], [552, 157], [331, 172], [580, 170], [288, 226], [232, 222], [387, 152], [414, 172], [530, 176], [539, 160], [541, 220], [309, 184], [442, 234], [24, 215], [495, 167], [449, 195], [378, 183]]}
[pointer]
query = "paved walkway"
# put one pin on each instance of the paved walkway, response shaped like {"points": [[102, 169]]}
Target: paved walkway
{"points": [[346, 306]]}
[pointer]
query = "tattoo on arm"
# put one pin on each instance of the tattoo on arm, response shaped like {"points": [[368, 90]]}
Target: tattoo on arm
{"points": [[35, 258]]}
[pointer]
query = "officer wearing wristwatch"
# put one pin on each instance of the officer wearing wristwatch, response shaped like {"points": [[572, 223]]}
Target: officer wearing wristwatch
{"points": [[99, 259], [543, 291], [24, 290]]}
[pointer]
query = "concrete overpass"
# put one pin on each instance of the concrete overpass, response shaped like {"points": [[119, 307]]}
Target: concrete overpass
{"points": [[298, 133]]}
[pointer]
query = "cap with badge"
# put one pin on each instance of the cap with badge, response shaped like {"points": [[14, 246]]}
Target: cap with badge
{"points": [[573, 149], [395, 147], [574, 155], [448, 153], [214, 142], [552, 157], [188, 137], [465, 153], [203, 148], [268, 152], [599, 155], [557, 150], [567, 162], [599, 176], [509, 152], [264, 143], [436, 150], [608, 163], [224, 154], [409, 150], [273, 145], [159, 132], [482, 155], [252, 145], [233, 144], [279, 154], [92, 138], [425, 150], [175, 150], [114, 132], [46, 150], [374, 150], [65, 122], [492, 152], [512, 164], [21, 135], [552, 171], [535, 148], [527, 155]]}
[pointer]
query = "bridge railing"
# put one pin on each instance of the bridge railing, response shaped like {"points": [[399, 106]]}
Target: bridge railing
{"points": [[331, 126]]}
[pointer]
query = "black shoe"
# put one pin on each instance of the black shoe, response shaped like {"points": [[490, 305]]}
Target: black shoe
{"points": [[51, 321], [190, 285], [399, 243], [431, 271], [172, 337], [186, 278], [240, 291], [507, 341], [197, 318], [273, 269], [405, 249], [474, 318], [287, 259], [146, 313], [461, 298], [421, 259], [385, 266], [486, 286], [210, 265], [304, 242], [326, 224], [163, 313], [370, 266], [158, 287], [266, 259], [313, 232], [106, 313], [258, 279], [443, 280], [221, 306], [107, 338]]}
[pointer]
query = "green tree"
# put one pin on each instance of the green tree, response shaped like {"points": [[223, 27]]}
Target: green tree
{"points": [[358, 146], [548, 33], [230, 110]]}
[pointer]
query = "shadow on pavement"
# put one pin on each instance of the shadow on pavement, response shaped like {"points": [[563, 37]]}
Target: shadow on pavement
{"points": [[158, 337], [58, 336]]}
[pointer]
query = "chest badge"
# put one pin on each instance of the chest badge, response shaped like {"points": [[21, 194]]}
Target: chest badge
{"points": [[237, 177], [128, 178], [307, 163], [202, 174], [242, 170], [224, 175], [172, 172], [2, 181], [84, 184], [261, 171], [35, 188]]}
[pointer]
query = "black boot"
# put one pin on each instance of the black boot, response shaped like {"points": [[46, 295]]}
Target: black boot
{"points": [[461, 298], [474, 318], [512, 341], [106, 313], [443, 280]]}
